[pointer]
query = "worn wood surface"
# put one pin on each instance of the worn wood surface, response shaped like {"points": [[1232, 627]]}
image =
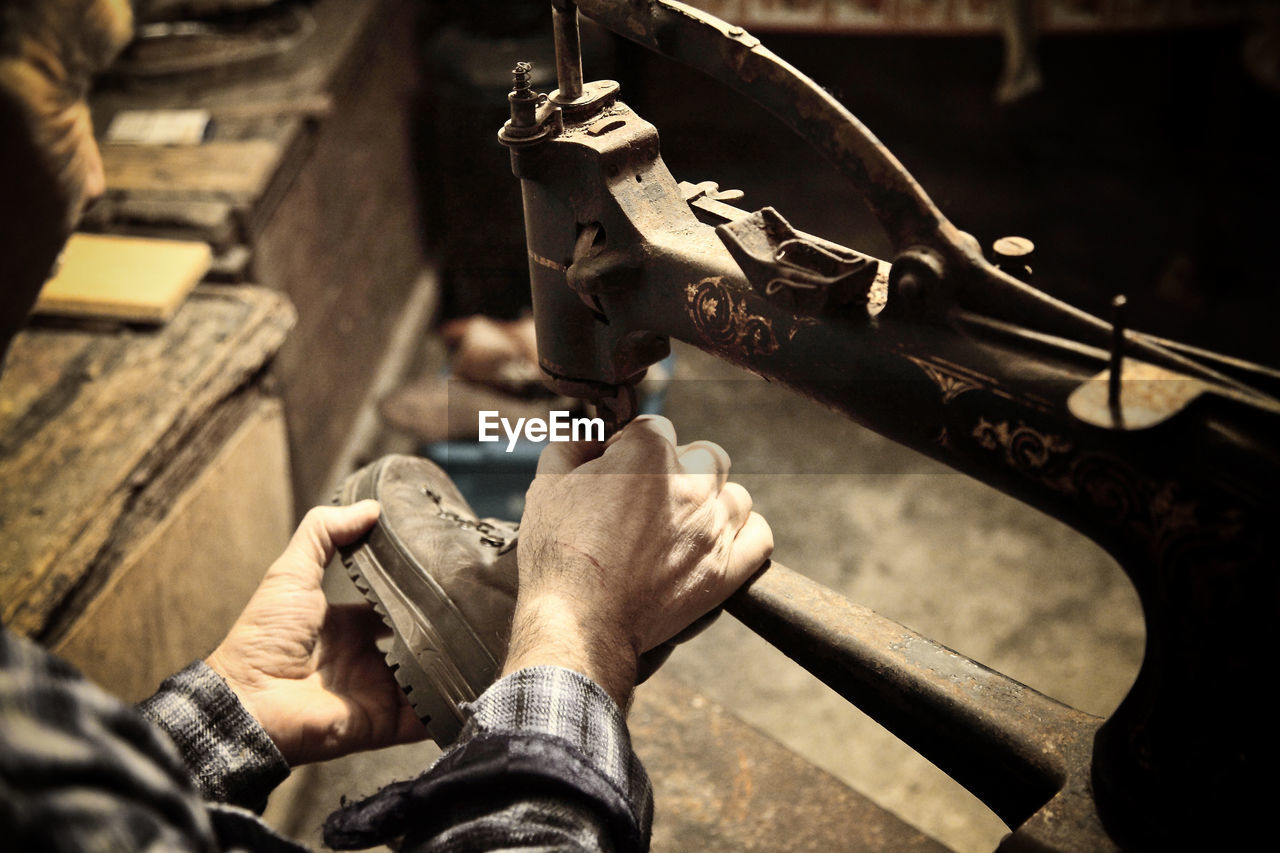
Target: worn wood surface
{"points": [[89, 417], [264, 122], [237, 170], [181, 574]]}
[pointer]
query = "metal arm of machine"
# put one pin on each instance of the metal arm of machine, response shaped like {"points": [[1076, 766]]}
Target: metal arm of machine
{"points": [[934, 260], [1015, 749], [1163, 454]]}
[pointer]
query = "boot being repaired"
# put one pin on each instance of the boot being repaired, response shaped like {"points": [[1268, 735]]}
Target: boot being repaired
{"points": [[443, 580]]}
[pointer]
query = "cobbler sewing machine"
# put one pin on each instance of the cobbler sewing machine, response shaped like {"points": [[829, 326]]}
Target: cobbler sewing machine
{"points": [[1163, 454]]}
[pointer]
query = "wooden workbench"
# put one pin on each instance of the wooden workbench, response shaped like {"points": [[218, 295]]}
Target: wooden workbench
{"points": [[144, 483], [307, 186]]}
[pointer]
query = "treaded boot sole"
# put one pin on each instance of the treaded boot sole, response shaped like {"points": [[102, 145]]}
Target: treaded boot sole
{"points": [[436, 658], [436, 713]]}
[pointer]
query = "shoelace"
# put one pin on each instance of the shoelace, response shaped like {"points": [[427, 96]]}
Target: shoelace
{"points": [[488, 533]]}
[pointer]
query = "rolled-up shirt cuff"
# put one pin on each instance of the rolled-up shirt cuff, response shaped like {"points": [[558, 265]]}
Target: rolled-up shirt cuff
{"points": [[230, 756], [564, 704]]}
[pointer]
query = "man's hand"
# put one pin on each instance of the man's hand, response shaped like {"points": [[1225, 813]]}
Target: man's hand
{"points": [[308, 672], [623, 549]]}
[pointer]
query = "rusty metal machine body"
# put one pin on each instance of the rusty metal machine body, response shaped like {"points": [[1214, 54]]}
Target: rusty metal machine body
{"points": [[1164, 454]]}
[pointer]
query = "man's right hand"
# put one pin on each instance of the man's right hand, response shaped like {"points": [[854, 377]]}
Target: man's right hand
{"points": [[625, 544]]}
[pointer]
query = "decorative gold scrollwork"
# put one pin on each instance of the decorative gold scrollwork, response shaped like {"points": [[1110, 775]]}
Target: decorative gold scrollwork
{"points": [[1153, 511], [725, 321]]}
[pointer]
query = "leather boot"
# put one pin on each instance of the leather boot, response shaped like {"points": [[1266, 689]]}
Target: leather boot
{"points": [[443, 580]]}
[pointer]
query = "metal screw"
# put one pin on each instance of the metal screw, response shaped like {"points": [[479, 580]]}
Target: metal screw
{"points": [[1012, 248], [1014, 255]]}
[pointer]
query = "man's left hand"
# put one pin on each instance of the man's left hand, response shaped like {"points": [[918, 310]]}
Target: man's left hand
{"points": [[308, 671]]}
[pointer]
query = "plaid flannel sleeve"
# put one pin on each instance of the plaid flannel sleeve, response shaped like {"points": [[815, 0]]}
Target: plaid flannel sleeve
{"points": [[229, 755], [545, 762]]}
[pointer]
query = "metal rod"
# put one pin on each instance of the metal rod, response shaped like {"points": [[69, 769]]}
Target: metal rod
{"points": [[1012, 747], [1118, 317], [568, 49]]}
